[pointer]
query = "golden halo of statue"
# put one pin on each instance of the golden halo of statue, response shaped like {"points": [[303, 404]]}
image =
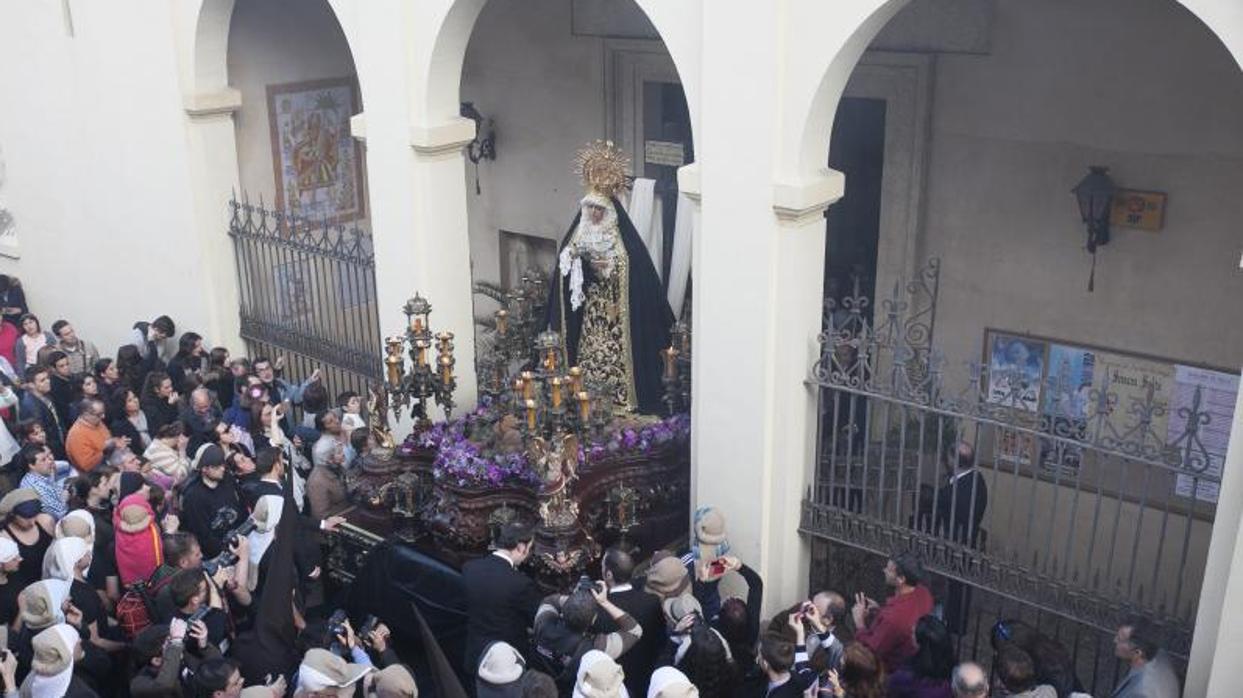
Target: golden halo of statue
{"points": [[603, 168]]}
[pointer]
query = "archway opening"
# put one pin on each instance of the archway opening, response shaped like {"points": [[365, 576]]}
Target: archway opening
{"points": [[300, 225], [962, 134], [544, 80], [548, 78]]}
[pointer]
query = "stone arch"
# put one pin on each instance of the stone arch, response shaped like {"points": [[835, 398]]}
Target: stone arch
{"points": [[676, 26], [210, 54], [1223, 19]]}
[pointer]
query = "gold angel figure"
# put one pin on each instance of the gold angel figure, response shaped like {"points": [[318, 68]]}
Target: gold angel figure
{"points": [[377, 418], [555, 460]]}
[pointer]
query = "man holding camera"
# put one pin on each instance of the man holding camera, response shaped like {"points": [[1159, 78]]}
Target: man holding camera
{"points": [[190, 593], [224, 574], [160, 653], [210, 505], [563, 630], [617, 568]]}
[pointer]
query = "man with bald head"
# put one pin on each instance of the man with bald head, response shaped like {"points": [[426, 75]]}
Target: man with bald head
{"points": [[832, 613], [199, 415], [970, 681], [617, 568]]}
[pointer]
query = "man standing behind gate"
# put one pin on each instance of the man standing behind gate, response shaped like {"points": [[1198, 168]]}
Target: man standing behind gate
{"points": [[959, 511]]}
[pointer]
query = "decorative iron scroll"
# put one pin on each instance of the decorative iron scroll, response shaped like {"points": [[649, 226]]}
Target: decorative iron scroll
{"points": [[895, 360], [877, 481]]}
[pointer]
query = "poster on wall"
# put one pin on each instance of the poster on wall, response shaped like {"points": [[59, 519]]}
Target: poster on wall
{"points": [[1067, 400], [318, 165], [1015, 371], [1212, 393], [1128, 380]]}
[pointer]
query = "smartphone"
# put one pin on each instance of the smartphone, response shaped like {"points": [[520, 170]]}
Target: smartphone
{"points": [[717, 566], [4, 638]]}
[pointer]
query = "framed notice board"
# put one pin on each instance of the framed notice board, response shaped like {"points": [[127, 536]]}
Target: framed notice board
{"points": [[1050, 382]]}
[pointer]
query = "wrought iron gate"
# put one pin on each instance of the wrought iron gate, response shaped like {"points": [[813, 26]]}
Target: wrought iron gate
{"points": [[1090, 515], [307, 293]]}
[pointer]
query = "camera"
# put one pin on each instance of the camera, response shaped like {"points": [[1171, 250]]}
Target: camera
{"points": [[199, 614], [246, 528], [336, 622], [226, 558], [368, 626], [584, 584]]}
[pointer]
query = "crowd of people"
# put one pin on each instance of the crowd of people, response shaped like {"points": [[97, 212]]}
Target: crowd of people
{"points": [[668, 633], [162, 518], [163, 515]]}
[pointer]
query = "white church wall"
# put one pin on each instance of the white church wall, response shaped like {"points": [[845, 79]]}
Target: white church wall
{"points": [[273, 42], [93, 134], [1069, 85]]}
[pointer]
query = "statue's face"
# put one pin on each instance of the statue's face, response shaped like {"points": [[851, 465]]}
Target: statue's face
{"points": [[596, 213]]}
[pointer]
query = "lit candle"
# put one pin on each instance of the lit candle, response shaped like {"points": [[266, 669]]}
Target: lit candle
{"points": [[502, 322], [528, 385], [418, 324], [671, 363], [551, 362], [530, 414], [576, 379], [584, 406], [556, 391], [446, 369], [422, 352]]}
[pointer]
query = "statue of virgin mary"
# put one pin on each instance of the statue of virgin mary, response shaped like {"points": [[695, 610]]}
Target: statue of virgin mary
{"points": [[606, 300]]}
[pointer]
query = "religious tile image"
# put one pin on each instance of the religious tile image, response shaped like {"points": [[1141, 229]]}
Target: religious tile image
{"points": [[317, 163]]}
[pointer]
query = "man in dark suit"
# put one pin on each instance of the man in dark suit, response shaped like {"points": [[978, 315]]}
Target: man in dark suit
{"points": [[959, 510], [961, 501], [638, 663], [501, 601]]}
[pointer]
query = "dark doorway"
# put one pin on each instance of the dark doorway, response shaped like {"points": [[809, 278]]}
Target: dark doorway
{"points": [[666, 119], [858, 151]]}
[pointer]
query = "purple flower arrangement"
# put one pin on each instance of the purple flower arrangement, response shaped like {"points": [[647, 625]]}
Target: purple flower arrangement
{"points": [[463, 462]]}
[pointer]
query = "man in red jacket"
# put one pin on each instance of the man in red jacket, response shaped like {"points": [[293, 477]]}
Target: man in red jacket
{"points": [[889, 630]]}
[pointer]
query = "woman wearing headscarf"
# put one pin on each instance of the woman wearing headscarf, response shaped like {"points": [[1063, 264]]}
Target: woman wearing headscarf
{"points": [[668, 682], [57, 653], [26, 525], [139, 549], [269, 648], [599, 677], [69, 559], [267, 515], [10, 560], [40, 605], [94, 492]]}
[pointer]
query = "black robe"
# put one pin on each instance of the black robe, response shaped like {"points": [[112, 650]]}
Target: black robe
{"points": [[270, 648], [650, 316]]}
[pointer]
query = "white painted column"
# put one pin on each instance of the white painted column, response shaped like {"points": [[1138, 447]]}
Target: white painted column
{"points": [[213, 161], [442, 240], [759, 269], [418, 191], [1214, 668]]}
